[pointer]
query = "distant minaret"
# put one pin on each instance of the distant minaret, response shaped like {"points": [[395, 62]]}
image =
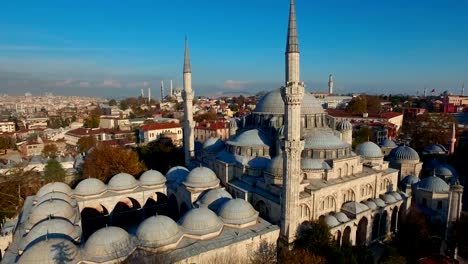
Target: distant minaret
{"points": [[463, 89], [162, 91], [453, 139], [142, 93], [189, 124], [330, 84], [171, 92], [149, 95], [292, 94], [425, 92]]}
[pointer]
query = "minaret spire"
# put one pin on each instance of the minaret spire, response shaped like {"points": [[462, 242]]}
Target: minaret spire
{"points": [[330, 84], [187, 67], [292, 44], [189, 124]]}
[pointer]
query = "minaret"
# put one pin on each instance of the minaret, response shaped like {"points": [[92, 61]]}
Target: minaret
{"points": [[330, 84], [149, 95], [453, 139], [142, 93], [292, 94], [162, 91], [463, 89], [171, 92], [189, 124]]}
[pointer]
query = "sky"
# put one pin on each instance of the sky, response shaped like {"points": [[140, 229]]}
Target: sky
{"points": [[113, 48]]}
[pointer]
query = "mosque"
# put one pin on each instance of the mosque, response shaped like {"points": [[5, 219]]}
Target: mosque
{"points": [[284, 165]]}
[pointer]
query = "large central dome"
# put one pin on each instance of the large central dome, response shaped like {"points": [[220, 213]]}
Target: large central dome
{"points": [[272, 103]]}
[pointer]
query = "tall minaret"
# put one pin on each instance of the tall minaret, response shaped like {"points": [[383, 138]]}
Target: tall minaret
{"points": [[292, 94], [171, 92], [453, 139], [189, 124], [149, 95], [162, 91], [463, 89], [330, 84], [142, 93]]}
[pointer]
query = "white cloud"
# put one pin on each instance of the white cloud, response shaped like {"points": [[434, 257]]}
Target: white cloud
{"points": [[84, 84], [111, 84]]}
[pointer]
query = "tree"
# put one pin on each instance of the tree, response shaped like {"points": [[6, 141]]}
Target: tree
{"points": [[429, 128], [105, 161], [161, 155], [94, 118], [208, 116], [7, 142], [86, 143], [357, 105], [265, 254], [112, 102], [363, 135], [54, 172], [50, 150]]}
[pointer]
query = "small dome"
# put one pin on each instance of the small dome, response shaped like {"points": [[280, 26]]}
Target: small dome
{"points": [[258, 162], [379, 202], [275, 167], [388, 198], [54, 187], [331, 221], [272, 103], [50, 251], [433, 184], [201, 177], [371, 205], [214, 198], [388, 143], [410, 180], [53, 228], [323, 139], [56, 196], [52, 209], [404, 153], [158, 231], [340, 216], [354, 207], [397, 196], [177, 174], [89, 187], [369, 150], [152, 177], [213, 145], [122, 181], [237, 212], [344, 125], [435, 149], [108, 243], [445, 171], [200, 221], [251, 138], [314, 164]]}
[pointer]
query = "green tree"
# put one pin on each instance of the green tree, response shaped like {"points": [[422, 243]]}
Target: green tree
{"points": [[357, 105], [161, 155], [54, 172], [50, 150], [112, 102], [86, 143], [429, 128]]}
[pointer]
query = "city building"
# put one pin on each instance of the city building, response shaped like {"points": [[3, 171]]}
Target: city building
{"points": [[101, 134], [151, 132], [7, 126], [207, 129]]}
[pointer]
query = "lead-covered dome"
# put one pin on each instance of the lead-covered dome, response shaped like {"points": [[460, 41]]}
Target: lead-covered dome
{"points": [[388, 143], [433, 184], [435, 149], [50, 251], [214, 198], [213, 144], [152, 178], [342, 217], [177, 174], [54, 187], [272, 103], [251, 138], [108, 243], [323, 139], [371, 205], [201, 221], [52, 209], [445, 171], [56, 196], [275, 167], [53, 228], [388, 198], [201, 177], [369, 150], [314, 164], [410, 180], [238, 212], [90, 187], [344, 125], [404, 153], [354, 207], [158, 231], [331, 221], [122, 181]]}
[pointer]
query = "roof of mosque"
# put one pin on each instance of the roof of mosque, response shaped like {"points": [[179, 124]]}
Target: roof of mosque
{"points": [[354, 207], [201, 221], [214, 198], [177, 174], [369, 150], [237, 212], [323, 139], [371, 205], [158, 231], [90, 186], [314, 164], [251, 138], [404, 153], [275, 167], [331, 221], [54, 187], [108, 243], [388, 143], [213, 144], [342, 217], [152, 177], [56, 196], [201, 177], [122, 181], [52, 228], [445, 170], [52, 209], [388, 198], [50, 251], [435, 149], [433, 184], [272, 103], [410, 180], [344, 125]]}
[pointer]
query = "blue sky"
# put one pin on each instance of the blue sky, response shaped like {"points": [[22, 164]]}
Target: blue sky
{"points": [[114, 48]]}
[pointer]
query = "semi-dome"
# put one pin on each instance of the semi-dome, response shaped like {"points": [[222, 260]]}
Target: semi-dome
{"points": [[323, 139], [52, 209], [404, 153], [388, 143], [410, 180], [108, 243], [177, 174], [379, 202], [371, 205], [369, 150], [275, 167], [214, 198], [56, 196], [331, 221], [388, 198], [122, 181], [433, 184], [50, 251], [272, 103], [151, 178], [158, 231], [354, 207], [344, 125], [53, 228], [201, 177], [90, 187], [342, 217], [54, 187], [237, 212], [201, 221], [314, 164], [213, 144], [397, 196], [251, 138]]}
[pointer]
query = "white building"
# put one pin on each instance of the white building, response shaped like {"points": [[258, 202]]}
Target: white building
{"points": [[151, 132], [7, 126]]}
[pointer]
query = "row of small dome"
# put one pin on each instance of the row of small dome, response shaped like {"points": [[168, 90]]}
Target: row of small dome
{"points": [[431, 184], [402, 153], [155, 232]]}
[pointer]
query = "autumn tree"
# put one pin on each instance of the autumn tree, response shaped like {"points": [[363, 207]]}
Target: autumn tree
{"points": [[364, 104], [50, 150], [112, 102], [93, 119], [208, 116], [105, 161], [161, 155], [7, 142], [86, 143], [54, 172]]}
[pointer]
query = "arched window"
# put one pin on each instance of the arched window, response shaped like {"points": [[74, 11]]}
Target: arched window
{"points": [[328, 203], [305, 211], [349, 196]]}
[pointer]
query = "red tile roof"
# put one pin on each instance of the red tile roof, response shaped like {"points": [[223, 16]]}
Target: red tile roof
{"points": [[342, 113], [214, 125], [159, 126], [96, 131]]}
